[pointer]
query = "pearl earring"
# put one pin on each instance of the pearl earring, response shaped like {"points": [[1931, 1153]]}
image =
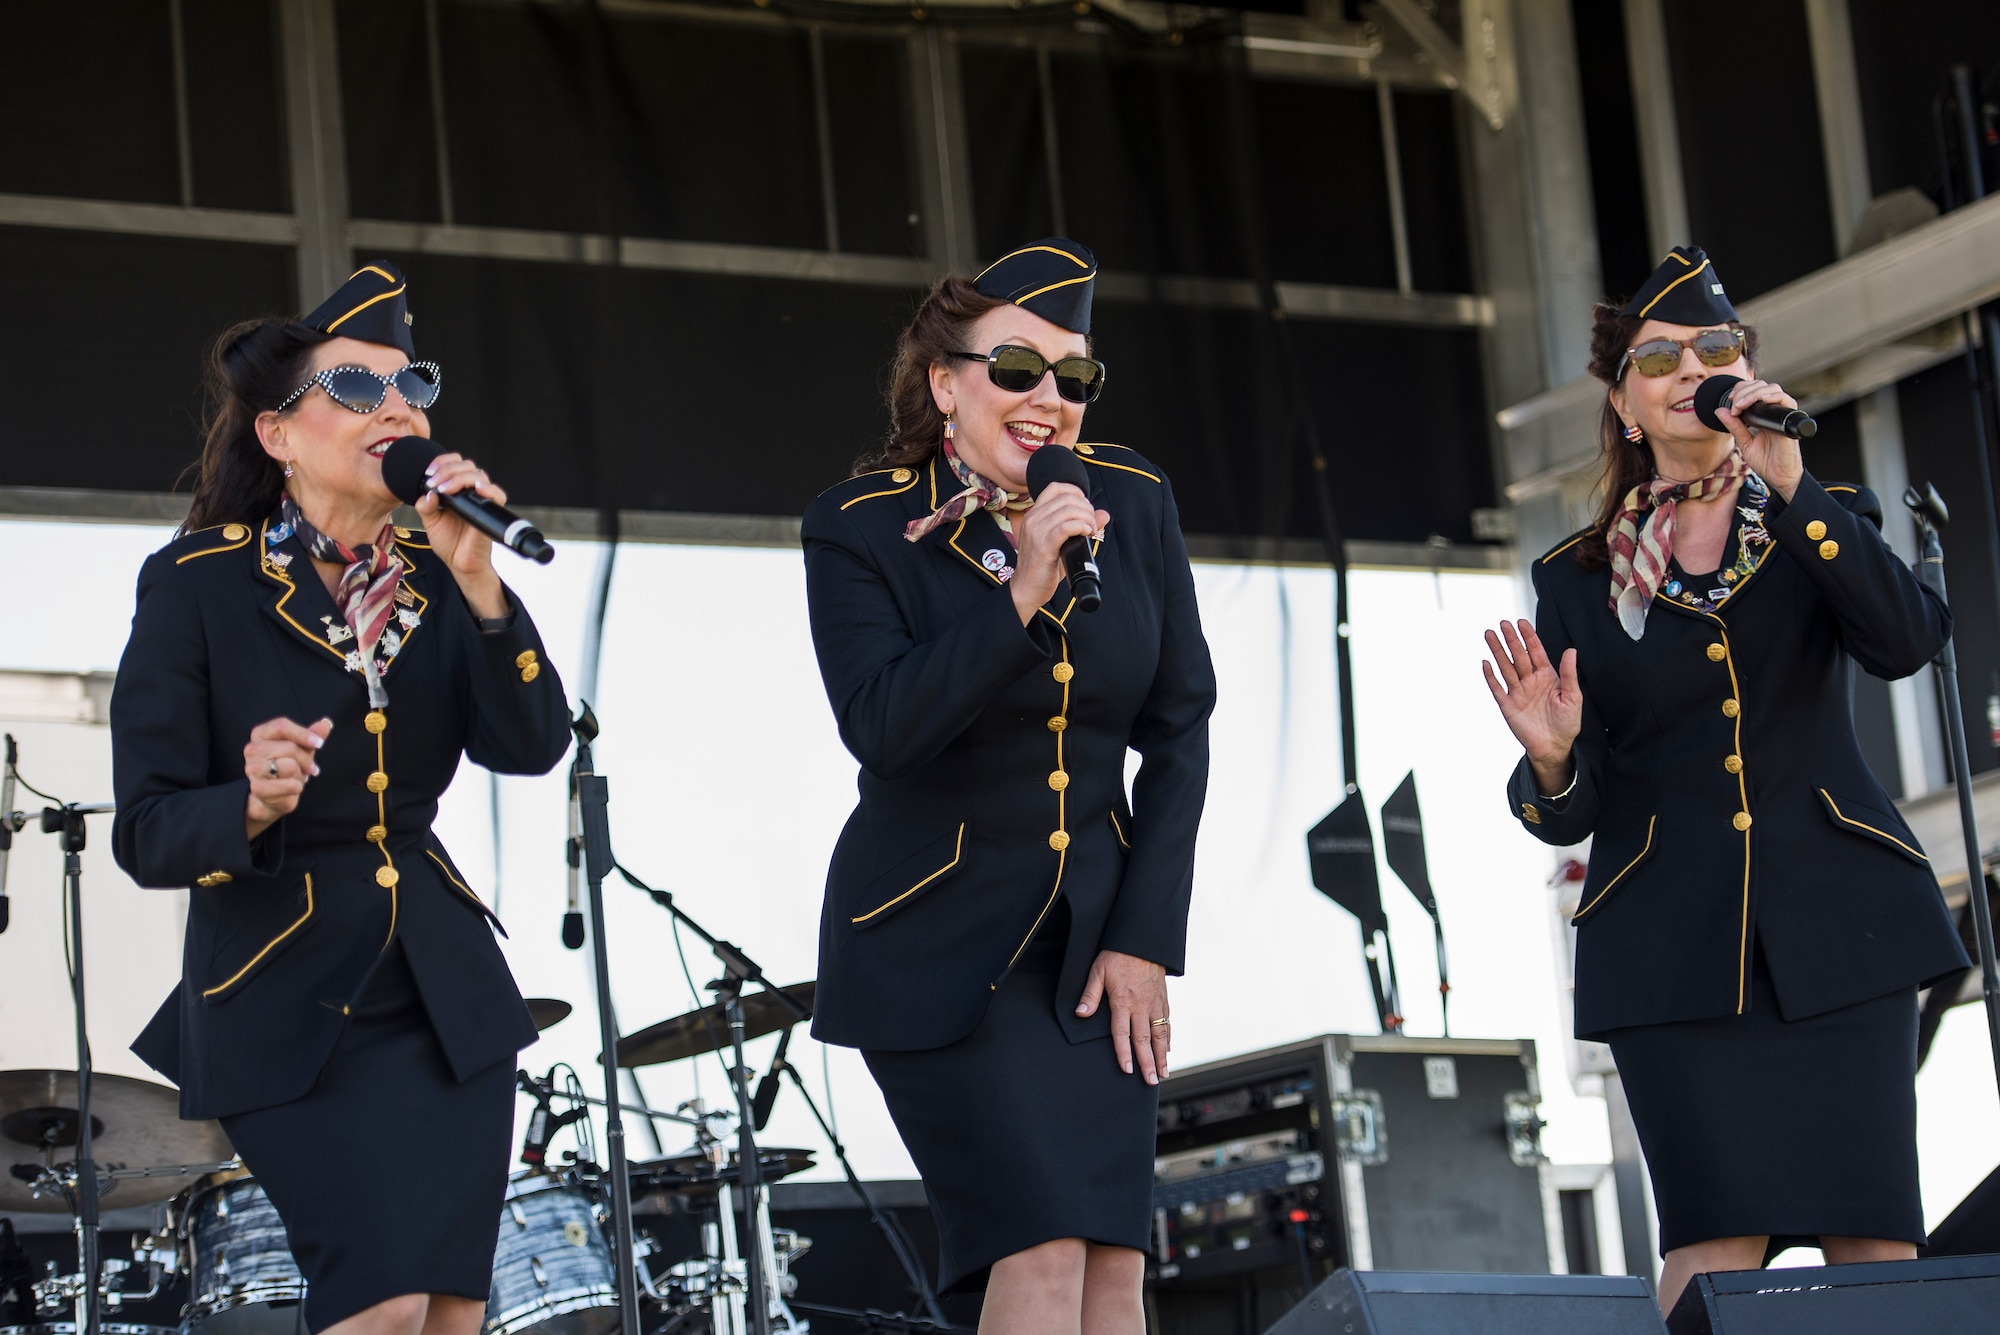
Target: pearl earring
{"points": [[1634, 434]]}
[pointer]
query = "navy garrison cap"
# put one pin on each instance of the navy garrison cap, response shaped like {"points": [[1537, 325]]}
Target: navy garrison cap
{"points": [[369, 306], [1053, 278], [1683, 290]]}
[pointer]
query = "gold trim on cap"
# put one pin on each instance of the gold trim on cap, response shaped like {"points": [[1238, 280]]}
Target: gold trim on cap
{"points": [[1029, 250], [396, 292], [1671, 286]]}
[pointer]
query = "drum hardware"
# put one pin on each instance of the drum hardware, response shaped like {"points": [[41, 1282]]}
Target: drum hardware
{"points": [[547, 1012]]}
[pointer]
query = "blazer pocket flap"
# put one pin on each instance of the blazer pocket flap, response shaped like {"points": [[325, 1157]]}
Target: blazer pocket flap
{"points": [[1122, 827], [461, 891], [895, 889], [287, 918], [1626, 864], [1871, 822]]}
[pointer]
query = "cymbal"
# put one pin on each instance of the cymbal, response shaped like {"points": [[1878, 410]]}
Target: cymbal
{"points": [[134, 1124], [547, 1012], [691, 1173], [705, 1029]]}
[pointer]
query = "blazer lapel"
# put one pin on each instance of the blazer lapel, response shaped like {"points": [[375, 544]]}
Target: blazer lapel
{"points": [[412, 604], [978, 541], [296, 599]]}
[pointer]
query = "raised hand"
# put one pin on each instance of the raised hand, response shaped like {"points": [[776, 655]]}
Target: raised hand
{"points": [[278, 759], [1542, 704]]}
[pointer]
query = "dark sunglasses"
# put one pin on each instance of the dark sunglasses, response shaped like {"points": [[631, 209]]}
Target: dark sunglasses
{"points": [[1662, 356], [360, 390], [1018, 370]]}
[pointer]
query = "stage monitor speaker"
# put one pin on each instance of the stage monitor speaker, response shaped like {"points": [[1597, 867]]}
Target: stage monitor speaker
{"points": [[1388, 1302], [1944, 1293]]}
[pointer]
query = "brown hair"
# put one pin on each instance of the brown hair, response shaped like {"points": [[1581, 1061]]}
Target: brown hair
{"points": [[941, 326], [1627, 463], [253, 367]]}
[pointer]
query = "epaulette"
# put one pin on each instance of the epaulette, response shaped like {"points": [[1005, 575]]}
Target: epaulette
{"points": [[1563, 546], [1133, 462], [412, 537], [867, 486], [208, 541]]}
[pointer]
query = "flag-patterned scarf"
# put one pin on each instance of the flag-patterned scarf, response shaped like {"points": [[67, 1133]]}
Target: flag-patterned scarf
{"points": [[980, 494], [1641, 547], [366, 595]]}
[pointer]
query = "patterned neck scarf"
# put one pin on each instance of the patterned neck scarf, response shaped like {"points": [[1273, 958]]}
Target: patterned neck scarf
{"points": [[366, 595], [980, 494], [1641, 548]]}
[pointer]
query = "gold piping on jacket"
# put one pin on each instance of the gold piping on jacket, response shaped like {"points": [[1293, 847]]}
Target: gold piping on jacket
{"points": [[269, 946], [264, 564], [1565, 547], [227, 546], [1099, 463], [1062, 827], [382, 820], [1119, 830], [1651, 821], [958, 851], [454, 880], [1838, 815], [1742, 791], [893, 491]]}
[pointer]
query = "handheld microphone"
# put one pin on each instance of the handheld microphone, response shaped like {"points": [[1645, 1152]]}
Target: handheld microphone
{"points": [[1714, 393], [403, 465], [1057, 463], [7, 825]]}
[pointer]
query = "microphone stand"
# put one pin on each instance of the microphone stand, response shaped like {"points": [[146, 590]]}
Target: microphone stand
{"points": [[740, 969], [594, 798], [1929, 511]]}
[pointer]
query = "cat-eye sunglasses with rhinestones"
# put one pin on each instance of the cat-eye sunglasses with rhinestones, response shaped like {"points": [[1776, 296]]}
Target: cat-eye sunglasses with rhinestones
{"points": [[360, 390], [1017, 370], [1662, 356]]}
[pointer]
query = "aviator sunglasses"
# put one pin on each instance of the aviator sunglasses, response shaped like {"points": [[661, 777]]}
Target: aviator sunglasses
{"points": [[1662, 356], [360, 390], [1018, 370]]}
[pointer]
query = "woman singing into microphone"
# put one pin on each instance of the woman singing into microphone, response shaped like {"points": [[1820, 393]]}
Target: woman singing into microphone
{"points": [[1757, 918], [999, 920], [301, 681]]}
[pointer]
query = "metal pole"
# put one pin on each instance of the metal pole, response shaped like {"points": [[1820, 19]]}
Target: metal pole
{"points": [[594, 799], [88, 1242], [749, 1179], [1930, 514]]}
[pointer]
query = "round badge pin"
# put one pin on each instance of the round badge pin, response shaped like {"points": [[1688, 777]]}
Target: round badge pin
{"points": [[994, 560]]}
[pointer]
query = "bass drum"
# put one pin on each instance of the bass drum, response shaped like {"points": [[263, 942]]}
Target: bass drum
{"points": [[552, 1271], [241, 1277]]}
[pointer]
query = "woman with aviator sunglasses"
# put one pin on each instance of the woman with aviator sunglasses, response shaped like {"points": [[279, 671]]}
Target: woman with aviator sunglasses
{"points": [[1000, 918], [1757, 918], [301, 681]]}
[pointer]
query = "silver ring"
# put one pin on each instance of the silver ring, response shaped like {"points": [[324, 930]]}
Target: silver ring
{"points": [[272, 768]]}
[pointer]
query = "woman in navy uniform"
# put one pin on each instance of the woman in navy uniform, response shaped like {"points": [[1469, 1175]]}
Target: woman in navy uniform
{"points": [[999, 920], [1757, 917], [300, 683]]}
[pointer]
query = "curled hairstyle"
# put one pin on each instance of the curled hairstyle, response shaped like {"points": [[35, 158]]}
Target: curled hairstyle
{"points": [[941, 326], [1627, 463], [251, 369]]}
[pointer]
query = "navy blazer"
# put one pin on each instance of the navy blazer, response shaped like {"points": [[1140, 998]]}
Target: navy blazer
{"points": [[1719, 778], [284, 931], [993, 756]]}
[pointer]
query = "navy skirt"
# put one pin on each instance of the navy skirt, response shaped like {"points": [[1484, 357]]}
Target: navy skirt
{"points": [[1758, 1126], [1021, 1136], [367, 1222]]}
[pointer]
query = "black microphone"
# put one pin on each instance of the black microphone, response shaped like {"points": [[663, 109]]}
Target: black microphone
{"points": [[766, 1096], [1714, 393], [572, 927], [403, 465], [1058, 463]]}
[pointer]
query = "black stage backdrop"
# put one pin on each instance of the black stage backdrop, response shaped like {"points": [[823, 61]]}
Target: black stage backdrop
{"points": [[591, 386]]}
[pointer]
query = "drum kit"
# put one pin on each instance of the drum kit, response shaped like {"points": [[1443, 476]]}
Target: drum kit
{"points": [[553, 1266], [563, 1226]]}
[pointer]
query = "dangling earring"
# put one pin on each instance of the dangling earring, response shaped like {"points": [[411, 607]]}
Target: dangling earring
{"points": [[1634, 434], [950, 428], [288, 468]]}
